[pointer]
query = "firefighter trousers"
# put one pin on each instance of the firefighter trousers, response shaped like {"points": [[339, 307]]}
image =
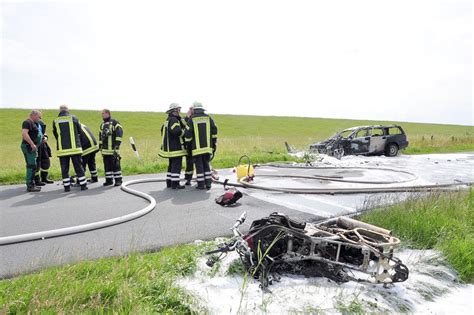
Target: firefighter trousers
{"points": [[188, 172], [174, 171], [112, 168], [203, 170], [88, 161], [77, 164]]}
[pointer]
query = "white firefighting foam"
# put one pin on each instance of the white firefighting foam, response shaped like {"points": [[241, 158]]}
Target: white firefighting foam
{"points": [[432, 288]]}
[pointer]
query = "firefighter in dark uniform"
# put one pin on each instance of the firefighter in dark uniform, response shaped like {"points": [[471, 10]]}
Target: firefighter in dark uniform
{"points": [[188, 172], [202, 138], [172, 145], [89, 149], [29, 146], [66, 130], [43, 162], [110, 138]]}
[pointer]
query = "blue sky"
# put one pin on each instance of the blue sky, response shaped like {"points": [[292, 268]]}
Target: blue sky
{"points": [[382, 60]]}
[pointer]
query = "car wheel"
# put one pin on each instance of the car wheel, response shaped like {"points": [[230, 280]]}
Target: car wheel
{"points": [[391, 149]]}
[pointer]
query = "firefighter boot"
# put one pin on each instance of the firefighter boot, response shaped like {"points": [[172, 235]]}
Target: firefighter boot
{"points": [[67, 188], [108, 182], [208, 183], [176, 185], [32, 188], [94, 179], [188, 182], [38, 181], [201, 185], [118, 182], [168, 183], [45, 179]]}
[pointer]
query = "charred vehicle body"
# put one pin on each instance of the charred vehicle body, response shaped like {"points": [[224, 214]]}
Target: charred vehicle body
{"points": [[364, 140], [341, 249]]}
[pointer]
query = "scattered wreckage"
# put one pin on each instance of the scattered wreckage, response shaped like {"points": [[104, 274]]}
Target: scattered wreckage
{"points": [[364, 140], [341, 249]]}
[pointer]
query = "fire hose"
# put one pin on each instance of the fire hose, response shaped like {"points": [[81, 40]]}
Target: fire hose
{"points": [[5, 240]]}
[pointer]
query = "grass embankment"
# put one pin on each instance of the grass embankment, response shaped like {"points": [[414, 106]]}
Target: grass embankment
{"points": [[145, 283], [135, 284], [260, 137], [444, 222]]}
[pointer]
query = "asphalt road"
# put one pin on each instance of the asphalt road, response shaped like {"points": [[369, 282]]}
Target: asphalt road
{"points": [[179, 217], [183, 216]]}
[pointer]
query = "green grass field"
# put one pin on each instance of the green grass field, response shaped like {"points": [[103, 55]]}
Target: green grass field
{"points": [[145, 283], [260, 137]]}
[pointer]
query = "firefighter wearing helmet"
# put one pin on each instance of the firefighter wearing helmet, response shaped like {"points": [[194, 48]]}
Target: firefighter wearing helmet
{"points": [[172, 145], [201, 138]]}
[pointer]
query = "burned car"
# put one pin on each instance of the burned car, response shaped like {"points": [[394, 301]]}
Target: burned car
{"points": [[341, 249], [364, 140]]}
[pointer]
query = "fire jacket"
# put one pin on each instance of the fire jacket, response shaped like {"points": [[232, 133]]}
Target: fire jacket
{"points": [[66, 130], [201, 136], [88, 141], [172, 135], [110, 136]]}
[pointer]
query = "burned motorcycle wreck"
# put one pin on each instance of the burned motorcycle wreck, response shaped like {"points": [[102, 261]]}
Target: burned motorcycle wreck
{"points": [[341, 249]]}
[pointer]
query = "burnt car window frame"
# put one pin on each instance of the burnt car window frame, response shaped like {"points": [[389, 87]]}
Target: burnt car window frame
{"points": [[380, 128]]}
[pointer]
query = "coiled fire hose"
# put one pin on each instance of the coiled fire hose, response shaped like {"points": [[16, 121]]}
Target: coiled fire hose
{"points": [[244, 183]]}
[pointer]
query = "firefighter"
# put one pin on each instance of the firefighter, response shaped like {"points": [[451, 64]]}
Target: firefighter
{"points": [[43, 161], [66, 130], [172, 145], [89, 149], [110, 138], [201, 137], [29, 147], [188, 172]]}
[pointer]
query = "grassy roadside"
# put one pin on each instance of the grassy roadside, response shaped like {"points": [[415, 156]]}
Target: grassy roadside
{"points": [[261, 137], [134, 284], [144, 283], [441, 221]]}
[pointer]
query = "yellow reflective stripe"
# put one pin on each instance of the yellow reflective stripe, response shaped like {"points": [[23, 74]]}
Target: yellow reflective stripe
{"points": [[109, 152], [214, 136], [168, 136], [208, 133], [69, 152], [118, 139], [188, 139], [163, 135], [165, 154], [116, 126], [92, 149], [60, 144], [88, 136], [196, 135], [72, 134], [174, 125], [202, 151]]}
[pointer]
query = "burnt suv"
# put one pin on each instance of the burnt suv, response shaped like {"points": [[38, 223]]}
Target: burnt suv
{"points": [[364, 140]]}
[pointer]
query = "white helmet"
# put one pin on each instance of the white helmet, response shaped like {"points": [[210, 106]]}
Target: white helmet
{"points": [[173, 107], [197, 105]]}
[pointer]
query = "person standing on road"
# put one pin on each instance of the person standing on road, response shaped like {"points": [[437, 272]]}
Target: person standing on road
{"points": [[66, 130], [43, 161], [188, 172], [172, 145], [29, 146], [89, 149], [110, 138], [201, 137]]}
